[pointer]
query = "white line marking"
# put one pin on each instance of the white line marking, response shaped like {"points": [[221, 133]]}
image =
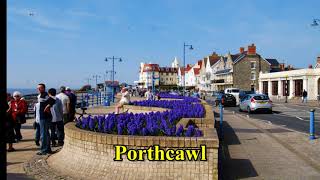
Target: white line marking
{"points": [[299, 118]]}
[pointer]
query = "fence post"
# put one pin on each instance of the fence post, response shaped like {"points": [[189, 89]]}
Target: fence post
{"points": [[87, 99], [81, 97], [221, 120], [92, 98], [312, 137]]}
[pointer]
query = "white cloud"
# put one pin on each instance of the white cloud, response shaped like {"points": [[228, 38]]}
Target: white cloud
{"points": [[42, 19]]}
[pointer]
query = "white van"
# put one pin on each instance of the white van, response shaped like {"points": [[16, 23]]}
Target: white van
{"points": [[235, 92]]}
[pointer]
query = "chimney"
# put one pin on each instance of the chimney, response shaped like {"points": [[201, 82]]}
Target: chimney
{"points": [[241, 50], [310, 66], [252, 49], [281, 66]]}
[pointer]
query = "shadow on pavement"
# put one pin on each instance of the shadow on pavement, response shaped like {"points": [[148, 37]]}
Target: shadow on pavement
{"points": [[274, 130], [233, 168], [19, 176], [13, 163], [26, 127], [27, 149]]}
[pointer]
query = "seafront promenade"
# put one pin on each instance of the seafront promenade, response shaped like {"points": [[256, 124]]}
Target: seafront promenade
{"points": [[250, 149]]}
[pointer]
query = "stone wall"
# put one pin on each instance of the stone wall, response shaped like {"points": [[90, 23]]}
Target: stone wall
{"points": [[89, 155]]}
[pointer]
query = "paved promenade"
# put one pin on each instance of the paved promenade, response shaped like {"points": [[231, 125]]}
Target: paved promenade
{"points": [[26, 149], [258, 150]]}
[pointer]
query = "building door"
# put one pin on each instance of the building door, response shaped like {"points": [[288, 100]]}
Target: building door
{"points": [[298, 87], [252, 88]]}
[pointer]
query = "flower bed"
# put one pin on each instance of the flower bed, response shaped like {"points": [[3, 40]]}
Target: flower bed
{"points": [[148, 124]]}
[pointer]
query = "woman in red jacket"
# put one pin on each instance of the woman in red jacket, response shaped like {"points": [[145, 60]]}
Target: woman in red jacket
{"points": [[18, 110]]}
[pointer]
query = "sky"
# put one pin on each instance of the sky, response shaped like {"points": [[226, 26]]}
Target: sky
{"points": [[66, 42]]}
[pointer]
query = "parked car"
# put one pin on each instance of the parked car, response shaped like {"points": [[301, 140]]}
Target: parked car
{"points": [[226, 100], [242, 94], [235, 92], [256, 102], [215, 93]]}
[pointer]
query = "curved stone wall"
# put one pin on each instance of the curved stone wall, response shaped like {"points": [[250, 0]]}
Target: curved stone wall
{"points": [[89, 155]]}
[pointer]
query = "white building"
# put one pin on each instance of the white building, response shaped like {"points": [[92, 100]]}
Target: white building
{"points": [[274, 84], [193, 75], [147, 73]]}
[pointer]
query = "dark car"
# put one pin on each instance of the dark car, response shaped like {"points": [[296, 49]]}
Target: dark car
{"points": [[226, 100]]}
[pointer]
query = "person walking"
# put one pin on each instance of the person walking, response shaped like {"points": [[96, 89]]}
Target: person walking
{"points": [[57, 126], [9, 125], [73, 103], [304, 96], [66, 104], [18, 110], [45, 117]]}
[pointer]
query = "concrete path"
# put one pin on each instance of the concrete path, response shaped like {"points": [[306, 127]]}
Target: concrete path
{"points": [[26, 148], [258, 150]]}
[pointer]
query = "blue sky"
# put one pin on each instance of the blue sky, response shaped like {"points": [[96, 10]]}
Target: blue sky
{"points": [[65, 42]]}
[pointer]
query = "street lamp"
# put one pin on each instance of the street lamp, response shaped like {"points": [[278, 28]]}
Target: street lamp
{"points": [[184, 64], [113, 58], [96, 77], [315, 22], [110, 73], [286, 89]]}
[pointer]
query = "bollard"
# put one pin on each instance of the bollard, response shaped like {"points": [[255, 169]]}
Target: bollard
{"points": [[312, 137], [221, 120]]}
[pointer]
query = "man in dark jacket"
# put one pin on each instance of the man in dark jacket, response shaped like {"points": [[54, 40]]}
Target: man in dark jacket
{"points": [[304, 96], [46, 102]]}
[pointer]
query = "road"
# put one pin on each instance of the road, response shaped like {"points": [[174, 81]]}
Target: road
{"points": [[295, 117]]}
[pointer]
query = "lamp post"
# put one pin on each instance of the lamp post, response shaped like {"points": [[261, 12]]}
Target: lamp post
{"points": [[111, 73], [286, 89], [88, 80], [153, 79], [96, 77], [113, 58], [184, 64]]}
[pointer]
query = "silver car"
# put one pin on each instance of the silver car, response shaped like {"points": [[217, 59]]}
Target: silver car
{"points": [[255, 102]]}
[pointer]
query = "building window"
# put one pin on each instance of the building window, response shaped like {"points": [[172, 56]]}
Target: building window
{"points": [[265, 87], [274, 88], [253, 76], [167, 74], [253, 65], [167, 79]]}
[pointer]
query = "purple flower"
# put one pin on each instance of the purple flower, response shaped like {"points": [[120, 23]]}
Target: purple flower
{"points": [[190, 131], [179, 131]]}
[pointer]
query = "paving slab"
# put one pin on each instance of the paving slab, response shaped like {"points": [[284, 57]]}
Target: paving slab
{"points": [[257, 150]]}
